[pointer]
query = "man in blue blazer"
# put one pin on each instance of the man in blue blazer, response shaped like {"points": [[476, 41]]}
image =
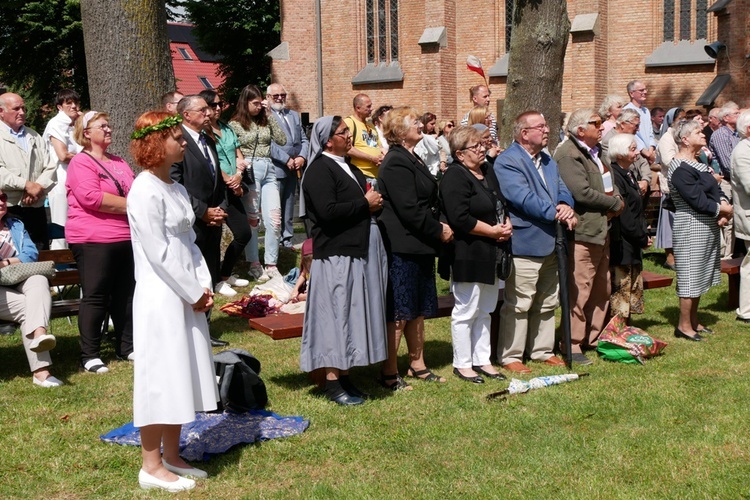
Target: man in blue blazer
{"points": [[537, 201], [287, 159]]}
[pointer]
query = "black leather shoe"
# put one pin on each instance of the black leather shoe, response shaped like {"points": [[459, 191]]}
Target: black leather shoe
{"points": [[682, 335], [475, 380], [742, 320], [496, 376], [218, 343], [345, 399]]}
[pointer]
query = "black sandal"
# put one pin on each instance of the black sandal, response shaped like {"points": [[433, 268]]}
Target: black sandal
{"points": [[429, 376], [393, 382]]}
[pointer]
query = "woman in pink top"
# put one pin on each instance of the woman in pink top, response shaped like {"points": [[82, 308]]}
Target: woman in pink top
{"points": [[99, 237]]}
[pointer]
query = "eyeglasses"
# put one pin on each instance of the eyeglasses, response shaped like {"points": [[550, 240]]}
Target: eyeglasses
{"points": [[344, 133], [278, 96], [449, 125], [476, 147], [597, 123], [217, 104], [205, 110], [640, 90], [103, 128], [635, 124], [541, 127]]}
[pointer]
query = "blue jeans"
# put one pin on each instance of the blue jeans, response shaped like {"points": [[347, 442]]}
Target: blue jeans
{"points": [[264, 194]]}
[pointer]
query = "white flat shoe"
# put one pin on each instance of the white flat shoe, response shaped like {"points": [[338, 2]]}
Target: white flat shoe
{"points": [[43, 343], [147, 482], [47, 383], [192, 471], [224, 289], [235, 280]]}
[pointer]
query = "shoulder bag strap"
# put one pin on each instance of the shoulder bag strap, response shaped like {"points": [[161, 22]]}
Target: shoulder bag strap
{"points": [[117, 184]]}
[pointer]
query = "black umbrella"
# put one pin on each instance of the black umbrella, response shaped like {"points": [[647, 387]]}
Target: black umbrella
{"points": [[561, 249]]}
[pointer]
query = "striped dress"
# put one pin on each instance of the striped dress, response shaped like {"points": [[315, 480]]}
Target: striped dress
{"points": [[696, 237]]}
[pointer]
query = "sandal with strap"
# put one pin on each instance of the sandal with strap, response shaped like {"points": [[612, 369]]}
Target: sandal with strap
{"points": [[393, 382], [424, 375]]}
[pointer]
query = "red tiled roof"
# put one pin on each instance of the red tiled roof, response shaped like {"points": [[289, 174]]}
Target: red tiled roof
{"points": [[190, 72]]}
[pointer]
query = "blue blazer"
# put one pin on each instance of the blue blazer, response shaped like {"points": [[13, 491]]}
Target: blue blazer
{"points": [[296, 142], [531, 204]]}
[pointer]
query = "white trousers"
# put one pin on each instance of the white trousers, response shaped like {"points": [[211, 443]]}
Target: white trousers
{"points": [[743, 311], [470, 323]]}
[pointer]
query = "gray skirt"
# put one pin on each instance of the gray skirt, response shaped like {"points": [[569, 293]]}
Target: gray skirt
{"points": [[345, 311]]}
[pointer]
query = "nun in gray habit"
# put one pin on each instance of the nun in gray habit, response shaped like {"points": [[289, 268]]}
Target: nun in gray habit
{"points": [[345, 310]]}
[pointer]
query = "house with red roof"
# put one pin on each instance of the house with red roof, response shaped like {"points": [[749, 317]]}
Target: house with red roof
{"points": [[194, 69]]}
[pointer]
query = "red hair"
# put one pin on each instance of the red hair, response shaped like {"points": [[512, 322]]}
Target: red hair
{"points": [[148, 151]]}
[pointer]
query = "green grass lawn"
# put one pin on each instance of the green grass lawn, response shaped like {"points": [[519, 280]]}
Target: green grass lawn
{"points": [[677, 427]]}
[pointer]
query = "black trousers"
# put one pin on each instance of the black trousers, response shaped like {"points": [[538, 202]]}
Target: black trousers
{"points": [[208, 240], [107, 274], [237, 223], [35, 221]]}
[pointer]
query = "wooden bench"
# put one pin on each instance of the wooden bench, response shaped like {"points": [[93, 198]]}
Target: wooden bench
{"points": [[653, 280], [289, 326], [66, 278], [731, 267]]}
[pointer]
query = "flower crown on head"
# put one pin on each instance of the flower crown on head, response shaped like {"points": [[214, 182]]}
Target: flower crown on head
{"points": [[168, 122]]}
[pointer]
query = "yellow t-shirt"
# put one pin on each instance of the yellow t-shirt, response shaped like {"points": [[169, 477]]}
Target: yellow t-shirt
{"points": [[365, 139]]}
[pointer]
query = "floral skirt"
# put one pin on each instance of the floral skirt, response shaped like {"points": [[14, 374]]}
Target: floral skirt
{"points": [[411, 287], [627, 290]]}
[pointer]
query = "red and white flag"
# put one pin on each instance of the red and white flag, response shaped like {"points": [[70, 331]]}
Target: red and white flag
{"points": [[475, 65]]}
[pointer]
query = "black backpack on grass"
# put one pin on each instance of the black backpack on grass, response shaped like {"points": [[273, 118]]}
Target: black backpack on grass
{"points": [[240, 386]]}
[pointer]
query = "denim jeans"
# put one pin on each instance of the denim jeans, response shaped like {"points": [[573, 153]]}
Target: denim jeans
{"points": [[264, 194], [287, 191]]}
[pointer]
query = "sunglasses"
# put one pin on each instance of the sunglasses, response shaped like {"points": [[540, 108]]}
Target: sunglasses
{"points": [[217, 104]]}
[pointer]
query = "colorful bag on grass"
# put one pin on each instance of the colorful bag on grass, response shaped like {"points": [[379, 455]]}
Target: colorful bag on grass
{"points": [[627, 344]]}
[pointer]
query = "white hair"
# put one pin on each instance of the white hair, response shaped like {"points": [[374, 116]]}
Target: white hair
{"points": [[728, 108], [743, 122], [619, 146], [580, 119]]}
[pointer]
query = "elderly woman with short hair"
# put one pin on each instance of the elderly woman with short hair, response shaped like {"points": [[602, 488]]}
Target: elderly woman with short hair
{"points": [[628, 233], [470, 195], [609, 110], [701, 209], [413, 233]]}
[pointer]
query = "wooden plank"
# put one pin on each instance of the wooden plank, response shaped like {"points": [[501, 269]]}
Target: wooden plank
{"points": [[731, 266], [653, 280], [289, 326]]}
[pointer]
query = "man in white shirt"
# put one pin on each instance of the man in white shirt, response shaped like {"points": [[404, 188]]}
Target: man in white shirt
{"points": [[644, 138]]}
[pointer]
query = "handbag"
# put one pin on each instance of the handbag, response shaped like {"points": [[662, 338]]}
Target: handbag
{"points": [[504, 264], [248, 175], [16, 273], [240, 387]]}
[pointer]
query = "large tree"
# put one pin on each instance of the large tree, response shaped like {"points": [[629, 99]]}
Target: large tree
{"points": [[539, 37], [41, 51], [128, 61], [241, 32]]}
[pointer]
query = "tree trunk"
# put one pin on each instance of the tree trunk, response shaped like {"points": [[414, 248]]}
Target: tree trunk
{"points": [[128, 62], [538, 40]]}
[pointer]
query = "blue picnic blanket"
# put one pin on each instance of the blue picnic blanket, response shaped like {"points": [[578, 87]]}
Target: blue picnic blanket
{"points": [[213, 433]]}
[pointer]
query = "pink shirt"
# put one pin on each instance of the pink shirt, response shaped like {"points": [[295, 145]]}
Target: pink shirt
{"points": [[86, 184]]}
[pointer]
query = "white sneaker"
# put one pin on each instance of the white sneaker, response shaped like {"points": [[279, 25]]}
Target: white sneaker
{"points": [[258, 273], [224, 289], [47, 383], [235, 280], [273, 272]]}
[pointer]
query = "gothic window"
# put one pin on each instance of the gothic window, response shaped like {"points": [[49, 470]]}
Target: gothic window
{"points": [[684, 28], [508, 22], [382, 30]]}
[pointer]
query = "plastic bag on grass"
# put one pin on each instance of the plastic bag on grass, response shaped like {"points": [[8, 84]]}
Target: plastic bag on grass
{"points": [[627, 344]]}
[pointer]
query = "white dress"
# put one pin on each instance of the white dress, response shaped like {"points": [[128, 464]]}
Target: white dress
{"points": [[174, 370]]}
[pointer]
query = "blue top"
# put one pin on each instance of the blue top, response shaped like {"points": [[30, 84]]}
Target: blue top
{"points": [[26, 250]]}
